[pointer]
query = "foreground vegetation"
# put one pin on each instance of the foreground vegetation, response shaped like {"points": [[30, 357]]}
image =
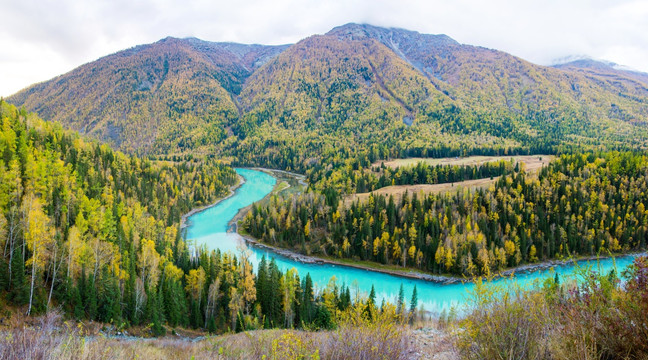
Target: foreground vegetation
{"points": [[355, 337], [602, 317]]}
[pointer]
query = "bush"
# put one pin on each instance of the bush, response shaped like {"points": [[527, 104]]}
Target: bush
{"points": [[505, 323], [357, 337], [605, 319], [601, 317]]}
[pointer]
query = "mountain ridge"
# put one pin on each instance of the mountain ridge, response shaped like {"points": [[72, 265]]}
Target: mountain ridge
{"points": [[357, 83]]}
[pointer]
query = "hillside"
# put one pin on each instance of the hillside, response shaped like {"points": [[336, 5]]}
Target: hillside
{"points": [[357, 91], [168, 96], [606, 69], [90, 229], [96, 234]]}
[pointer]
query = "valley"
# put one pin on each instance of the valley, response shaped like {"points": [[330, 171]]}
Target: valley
{"points": [[368, 182], [437, 293]]}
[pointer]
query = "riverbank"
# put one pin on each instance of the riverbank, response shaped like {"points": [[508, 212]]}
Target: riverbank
{"points": [[529, 268], [286, 182], [317, 260], [297, 181], [413, 274], [232, 191]]}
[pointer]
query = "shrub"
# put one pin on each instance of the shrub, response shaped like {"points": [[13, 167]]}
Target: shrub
{"points": [[505, 323], [605, 319], [384, 336], [600, 317]]}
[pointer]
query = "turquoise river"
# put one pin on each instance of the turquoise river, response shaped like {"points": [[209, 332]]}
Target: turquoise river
{"points": [[209, 228]]}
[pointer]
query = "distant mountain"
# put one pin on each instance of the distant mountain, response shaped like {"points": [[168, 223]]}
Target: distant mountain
{"points": [[605, 69], [355, 87]]}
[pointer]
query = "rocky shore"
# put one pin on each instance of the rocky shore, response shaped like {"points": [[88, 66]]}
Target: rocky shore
{"points": [[412, 274]]}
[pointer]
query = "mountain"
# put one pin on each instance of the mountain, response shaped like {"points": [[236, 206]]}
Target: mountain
{"points": [[605, 69], [172, 94], [360, 85], [356, 89]]}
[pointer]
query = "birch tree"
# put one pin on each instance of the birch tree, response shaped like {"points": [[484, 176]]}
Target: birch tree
{"points": [[39, 235]]}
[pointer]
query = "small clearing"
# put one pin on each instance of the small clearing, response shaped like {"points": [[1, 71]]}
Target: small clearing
{"points": [[532, 164], [399, 190]]}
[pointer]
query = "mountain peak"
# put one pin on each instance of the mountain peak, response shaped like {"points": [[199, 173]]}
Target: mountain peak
{"points": [[355, 31]]}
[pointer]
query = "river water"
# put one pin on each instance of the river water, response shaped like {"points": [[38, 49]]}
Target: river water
{"points": [[209, 228]]}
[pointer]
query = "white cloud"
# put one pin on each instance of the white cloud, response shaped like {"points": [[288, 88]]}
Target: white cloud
{"points": [[40, 39]]}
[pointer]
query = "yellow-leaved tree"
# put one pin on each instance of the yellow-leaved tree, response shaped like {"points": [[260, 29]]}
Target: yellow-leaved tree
{"points": [[39, 237], [196, 283], [149, 261]]}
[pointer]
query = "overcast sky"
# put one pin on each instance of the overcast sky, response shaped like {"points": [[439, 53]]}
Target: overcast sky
{"points": [[40, 39]]}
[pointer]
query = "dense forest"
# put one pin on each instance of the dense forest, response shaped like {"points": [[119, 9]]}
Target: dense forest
{"points": [[97, 232], [581, 204]]}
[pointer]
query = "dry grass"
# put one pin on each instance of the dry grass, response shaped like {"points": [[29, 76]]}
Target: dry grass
{"points": [[399, 190], [50, 338], [532, 163], [598, 318]]}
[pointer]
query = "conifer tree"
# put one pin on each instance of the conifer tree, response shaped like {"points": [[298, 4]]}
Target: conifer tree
{"points": [[19, 288], [401, 300], [414, 303]]}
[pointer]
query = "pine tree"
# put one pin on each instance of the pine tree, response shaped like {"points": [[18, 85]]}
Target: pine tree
{"points": [[110, 299], [347, 298], [4, 271], [211, 325], [371, 303], [306, 312], [322, 318], [130, 295], [19, 287], [274, 294], [78, 305], [158, 315], [262, 285], [91, 291], [401, 300], [414, 302]]}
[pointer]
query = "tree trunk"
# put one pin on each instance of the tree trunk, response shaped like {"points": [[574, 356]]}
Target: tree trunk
{"points": [[55, 270], [33, 278]]}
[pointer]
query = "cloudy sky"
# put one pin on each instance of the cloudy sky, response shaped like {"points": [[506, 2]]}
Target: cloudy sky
{"points": [[40, 39]]}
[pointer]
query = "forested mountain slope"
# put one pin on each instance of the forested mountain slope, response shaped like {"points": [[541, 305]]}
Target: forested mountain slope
{"points": [[604, 69], [91, 229], [165, 97], [357, 91]]}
